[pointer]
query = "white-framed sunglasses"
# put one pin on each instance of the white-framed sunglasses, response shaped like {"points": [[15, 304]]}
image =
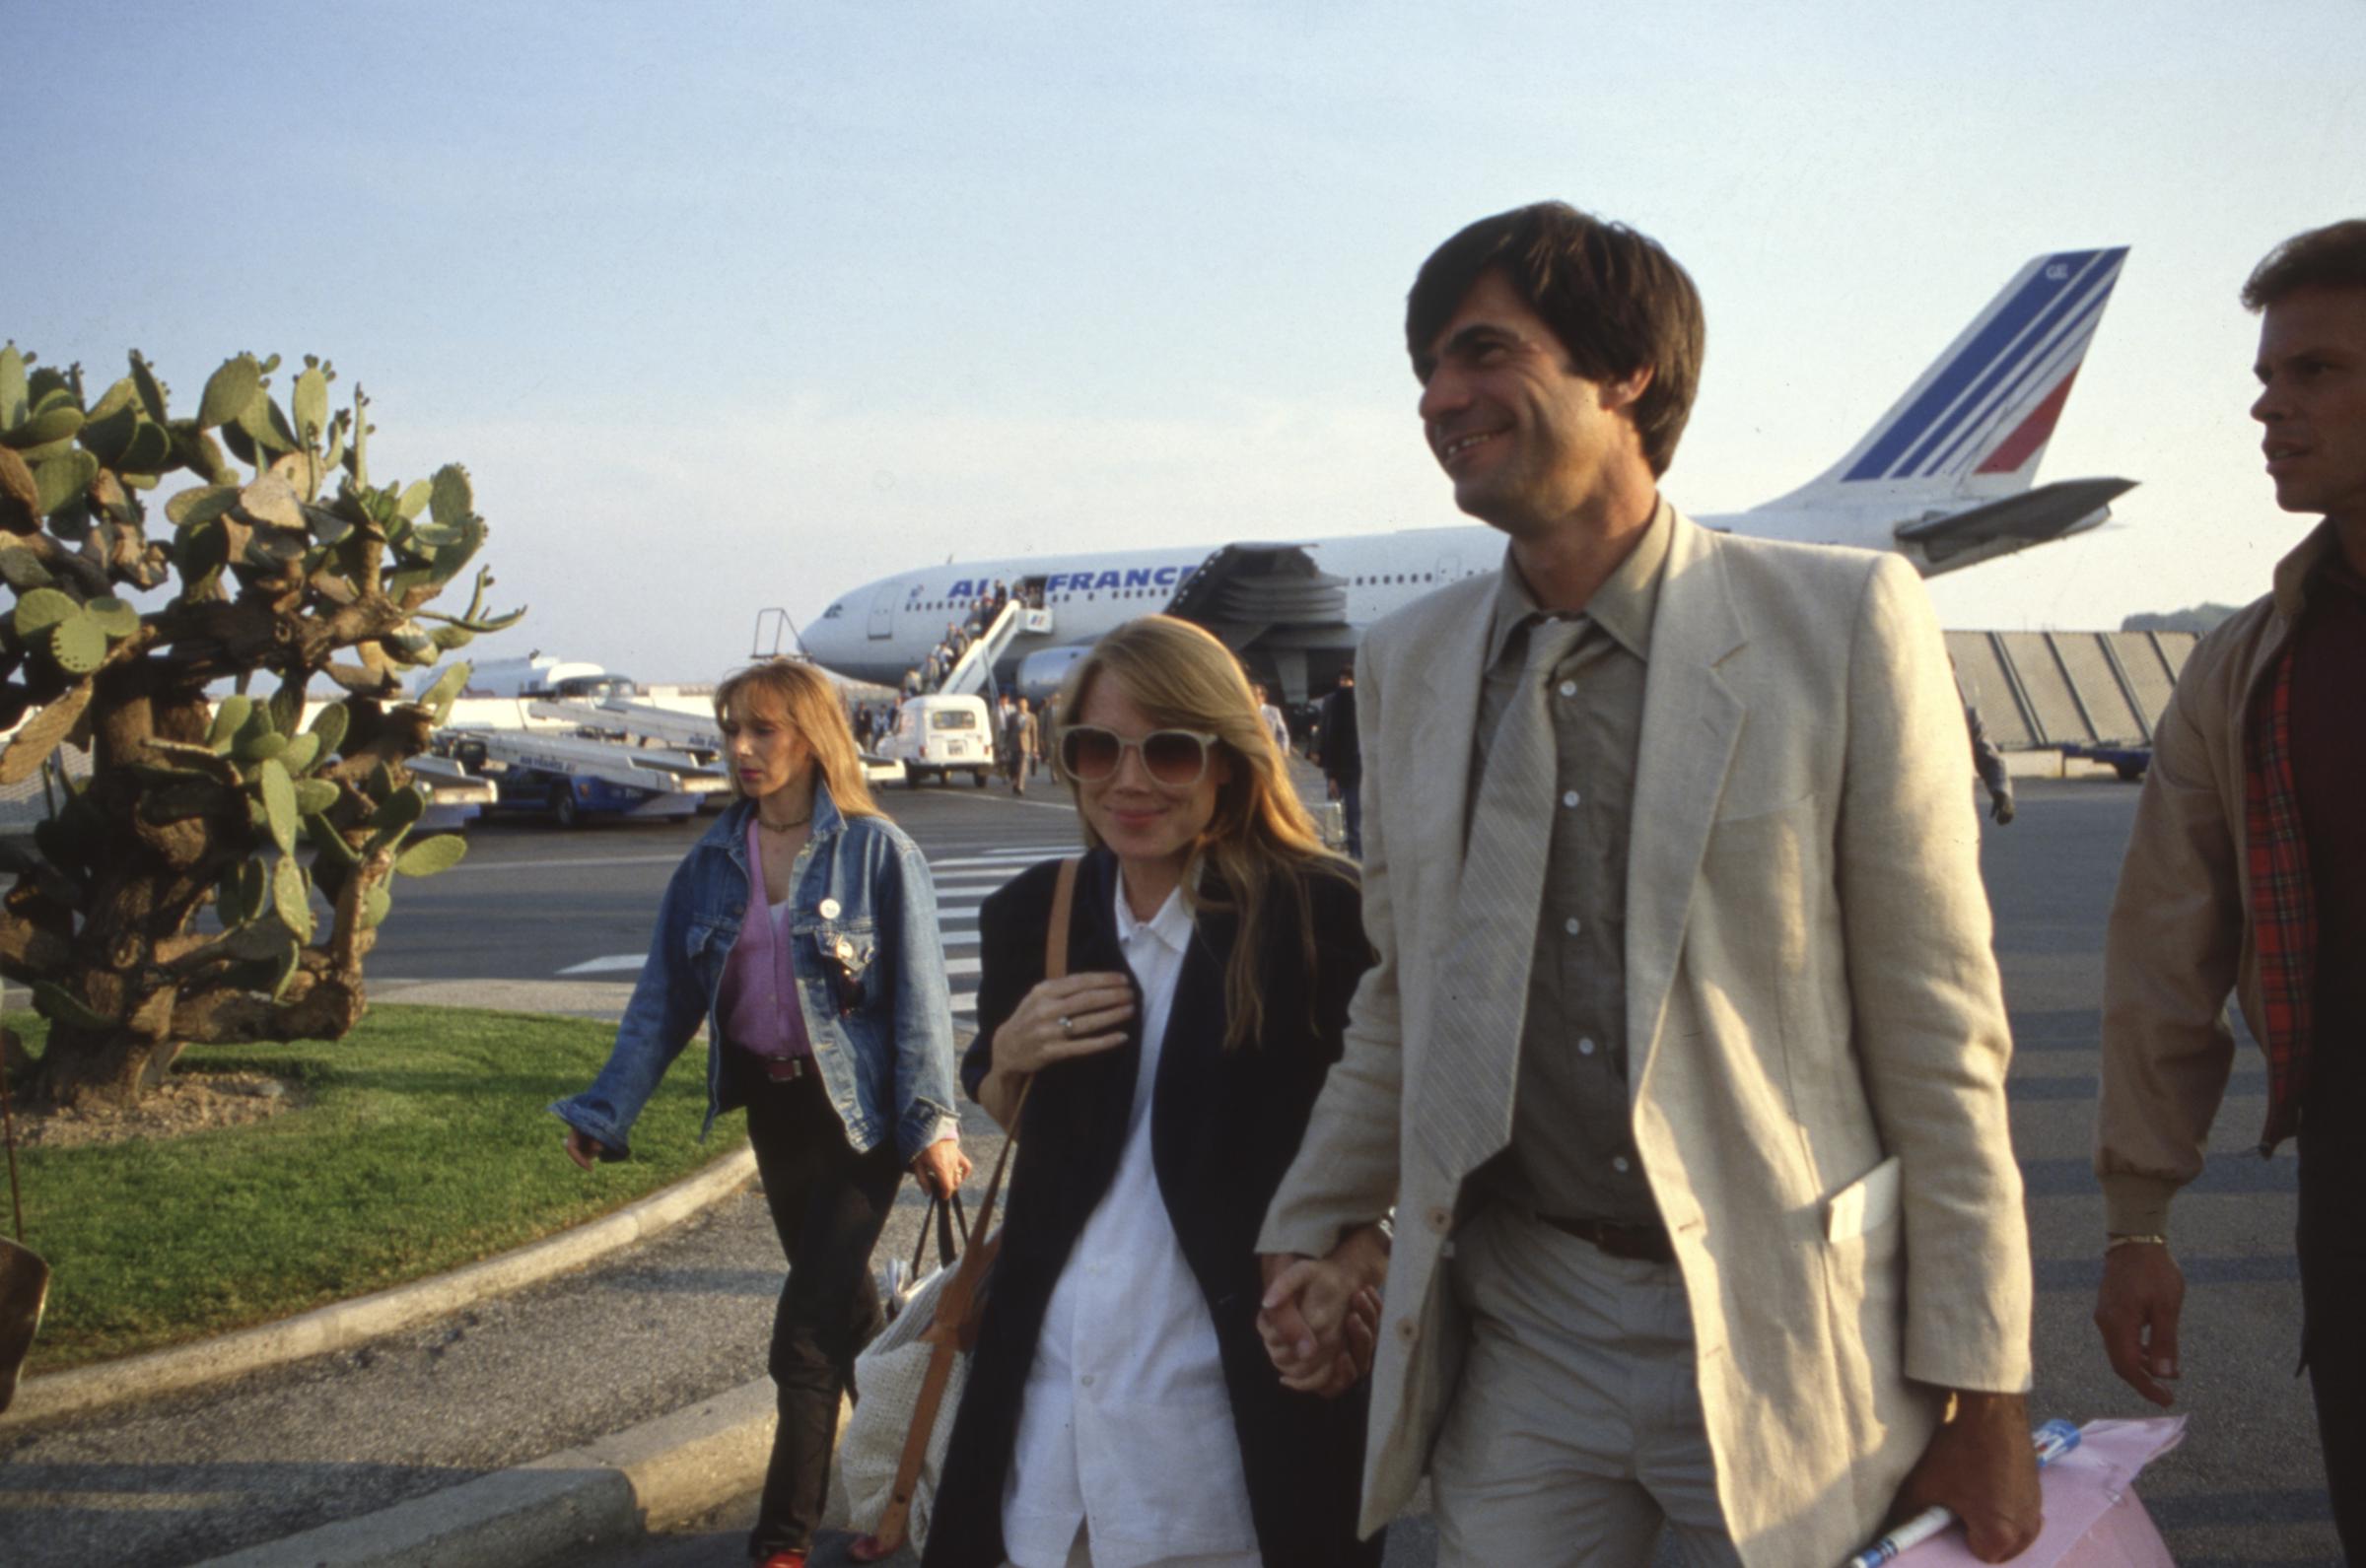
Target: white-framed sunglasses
{"points": [[1177, 758]]}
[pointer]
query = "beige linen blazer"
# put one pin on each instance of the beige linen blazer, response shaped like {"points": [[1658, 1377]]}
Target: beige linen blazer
{"points": [[1818, 1039]]}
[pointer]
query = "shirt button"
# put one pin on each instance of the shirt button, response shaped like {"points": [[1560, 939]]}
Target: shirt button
{"points": [[1406, 1329], [1585, 1047], [1618, 1163], [1569, 688], [1087, 1379], [1439, 1219], [1570, 799], [1570, 925]]}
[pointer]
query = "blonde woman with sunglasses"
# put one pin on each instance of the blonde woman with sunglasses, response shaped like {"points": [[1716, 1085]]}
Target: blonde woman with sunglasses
{"points": [[1121, 1411]]}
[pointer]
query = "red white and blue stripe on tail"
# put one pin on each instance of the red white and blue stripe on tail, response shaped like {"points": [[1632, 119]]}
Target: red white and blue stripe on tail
{"points": [[1979, 417]]}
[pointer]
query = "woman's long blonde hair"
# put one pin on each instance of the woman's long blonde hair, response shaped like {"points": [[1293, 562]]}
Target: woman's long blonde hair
{"points": [[809, 705], [1260, 840]]}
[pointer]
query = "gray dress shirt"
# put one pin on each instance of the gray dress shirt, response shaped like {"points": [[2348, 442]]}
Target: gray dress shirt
{"points": [[1573, 1149]]}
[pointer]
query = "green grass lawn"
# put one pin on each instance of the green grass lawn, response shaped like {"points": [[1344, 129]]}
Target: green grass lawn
{"points": [[423, 1145]]}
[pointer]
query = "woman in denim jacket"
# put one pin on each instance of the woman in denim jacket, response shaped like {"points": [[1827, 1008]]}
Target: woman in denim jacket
{"points": [[827, 1016]]}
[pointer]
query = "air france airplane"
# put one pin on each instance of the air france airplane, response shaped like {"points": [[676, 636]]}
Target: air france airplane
{"points": [[1944, 479]]}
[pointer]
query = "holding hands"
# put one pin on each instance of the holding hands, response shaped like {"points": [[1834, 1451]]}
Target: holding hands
{"points": [[1321, 1315]]}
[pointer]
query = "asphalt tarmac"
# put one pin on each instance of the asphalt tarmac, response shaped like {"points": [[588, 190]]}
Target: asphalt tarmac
{"points": [[684, 1317]]}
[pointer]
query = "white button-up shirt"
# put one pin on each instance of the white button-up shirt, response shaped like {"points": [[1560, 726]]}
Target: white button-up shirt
{"points": [[1127, 1426]]}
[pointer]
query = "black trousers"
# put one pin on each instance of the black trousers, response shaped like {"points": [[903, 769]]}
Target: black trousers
{"points": [[2332, 1278], [828, 1203]]}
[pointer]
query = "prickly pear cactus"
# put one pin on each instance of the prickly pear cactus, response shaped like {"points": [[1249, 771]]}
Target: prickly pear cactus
{"points": [[284, 562]]}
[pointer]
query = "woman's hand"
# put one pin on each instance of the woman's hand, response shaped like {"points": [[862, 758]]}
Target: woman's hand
{"points": [[1074, 1015], [941, 1167], [1320, 1317], [583, 1148], [1359, 1338]]}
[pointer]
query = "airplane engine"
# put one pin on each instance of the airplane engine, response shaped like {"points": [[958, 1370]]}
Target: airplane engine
{"points": [[1041, 672]]}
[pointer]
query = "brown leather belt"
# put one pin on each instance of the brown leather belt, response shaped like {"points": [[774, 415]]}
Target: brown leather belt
{"points": [[1648, 1242]]}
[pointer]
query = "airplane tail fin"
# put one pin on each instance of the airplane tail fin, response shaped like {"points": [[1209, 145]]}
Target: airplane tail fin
{"points": [[1976, 424]]}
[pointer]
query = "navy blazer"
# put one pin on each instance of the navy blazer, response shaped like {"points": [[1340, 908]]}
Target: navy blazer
{"points": [[1225, 1126]]}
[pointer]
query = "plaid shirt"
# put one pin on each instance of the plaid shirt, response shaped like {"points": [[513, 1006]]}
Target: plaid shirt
{"points": [[2283, 913]]}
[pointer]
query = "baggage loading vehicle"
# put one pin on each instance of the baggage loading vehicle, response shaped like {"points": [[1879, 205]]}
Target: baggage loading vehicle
{"points": [[455, 796], [572, 779], [687, 745]]}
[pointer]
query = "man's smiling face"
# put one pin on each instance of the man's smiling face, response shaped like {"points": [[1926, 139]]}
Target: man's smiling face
{"points": [[1527, 441]]}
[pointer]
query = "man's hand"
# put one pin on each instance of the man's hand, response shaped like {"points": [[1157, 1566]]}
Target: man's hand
{"points": [[1359, 1337], [941, 1167], [2136, 1309], [2002, 808], [1983, 1468], [1311, 1305]]}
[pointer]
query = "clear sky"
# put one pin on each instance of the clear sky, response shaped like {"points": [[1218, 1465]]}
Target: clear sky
{"points": [[735, 305]]}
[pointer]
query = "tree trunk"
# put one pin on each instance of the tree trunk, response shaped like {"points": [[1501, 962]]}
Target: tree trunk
{"points": [[90, 1068]]}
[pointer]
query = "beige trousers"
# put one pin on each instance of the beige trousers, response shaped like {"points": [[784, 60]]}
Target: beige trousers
{"points": [[1576, 1435]]}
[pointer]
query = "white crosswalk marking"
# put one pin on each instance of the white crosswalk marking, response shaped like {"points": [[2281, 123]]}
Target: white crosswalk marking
{"points": [[962, 883]]}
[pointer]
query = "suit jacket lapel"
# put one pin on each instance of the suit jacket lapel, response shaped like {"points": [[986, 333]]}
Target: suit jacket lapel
{"points": [[1184, 1110], [1443, 715], [1692, 722]]}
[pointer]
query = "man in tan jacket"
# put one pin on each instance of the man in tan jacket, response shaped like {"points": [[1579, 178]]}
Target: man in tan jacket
{"points": [[1682, 1060], [2247, 871]]}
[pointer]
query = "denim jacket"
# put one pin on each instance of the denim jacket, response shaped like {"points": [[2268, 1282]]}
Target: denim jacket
{"points": [[880, 1020]]}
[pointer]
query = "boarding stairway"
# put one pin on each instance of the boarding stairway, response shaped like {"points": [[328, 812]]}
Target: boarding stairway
{"points": [[972, 674]]}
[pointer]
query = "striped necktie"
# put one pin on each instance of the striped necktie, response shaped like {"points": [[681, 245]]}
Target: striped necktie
{"points": [[1482, 991]]}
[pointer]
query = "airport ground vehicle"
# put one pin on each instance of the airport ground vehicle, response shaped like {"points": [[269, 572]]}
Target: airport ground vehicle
{"points": [[570, 778], [2128, 761], [938, 736]]}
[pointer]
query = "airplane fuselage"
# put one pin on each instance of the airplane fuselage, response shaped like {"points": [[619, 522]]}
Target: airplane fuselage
{"points": [[880, 630]]}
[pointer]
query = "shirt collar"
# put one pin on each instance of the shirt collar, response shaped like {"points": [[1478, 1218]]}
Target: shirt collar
{"points": [[1170, 925], [1621, 606], [2292, 573]]}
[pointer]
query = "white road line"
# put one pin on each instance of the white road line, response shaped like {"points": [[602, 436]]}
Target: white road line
{"points": [[966, 913], [607, 966], [965, 1001], [1003, 859], [961, 966], [569, 864]]}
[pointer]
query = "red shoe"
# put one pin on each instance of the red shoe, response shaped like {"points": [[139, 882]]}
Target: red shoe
{"points": [[795, 1557]]}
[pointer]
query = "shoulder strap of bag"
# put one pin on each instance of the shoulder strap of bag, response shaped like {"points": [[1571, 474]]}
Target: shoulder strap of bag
{"points": [[961, 1305]]}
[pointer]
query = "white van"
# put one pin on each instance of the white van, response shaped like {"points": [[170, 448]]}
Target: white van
{"points": [[942, 736]]}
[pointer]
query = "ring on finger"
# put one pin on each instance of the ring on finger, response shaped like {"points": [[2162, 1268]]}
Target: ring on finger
{"points": [[1068, 1025]]}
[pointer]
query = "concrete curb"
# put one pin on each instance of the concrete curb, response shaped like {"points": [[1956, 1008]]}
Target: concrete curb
{"points": [[657, 1473], [350, 1322]]}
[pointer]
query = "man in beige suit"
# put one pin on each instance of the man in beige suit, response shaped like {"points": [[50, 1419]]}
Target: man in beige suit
{"points": [[1682, 1065]]}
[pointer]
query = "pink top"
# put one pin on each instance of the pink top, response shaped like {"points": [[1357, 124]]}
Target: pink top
{"points": [[760, 1011]]}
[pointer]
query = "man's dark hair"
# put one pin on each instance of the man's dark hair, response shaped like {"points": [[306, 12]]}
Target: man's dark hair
{"points": [[2331, 257], [1615, 299]]}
